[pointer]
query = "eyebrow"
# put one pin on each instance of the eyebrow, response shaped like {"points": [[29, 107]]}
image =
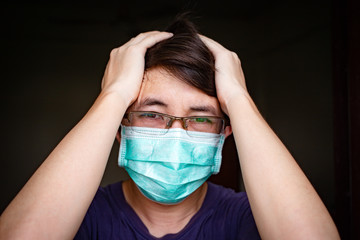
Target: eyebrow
{"points": [[152, 102], [204, 108]]}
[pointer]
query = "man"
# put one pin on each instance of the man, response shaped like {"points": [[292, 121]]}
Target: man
{"points": [[173, 120]]}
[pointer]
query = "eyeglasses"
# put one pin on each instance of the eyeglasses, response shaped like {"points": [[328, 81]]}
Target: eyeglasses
{"points": [[193, 124]]}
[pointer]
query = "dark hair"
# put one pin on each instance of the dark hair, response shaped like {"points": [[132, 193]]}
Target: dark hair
{"points": [[184, 56]]}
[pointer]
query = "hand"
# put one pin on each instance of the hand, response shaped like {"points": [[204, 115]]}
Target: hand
{"points": [[125, 69], [229, 76]]}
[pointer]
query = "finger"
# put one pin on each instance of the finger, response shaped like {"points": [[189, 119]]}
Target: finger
{"points": [[214, 46], [140, 37], [148, 39], [151, 38]]}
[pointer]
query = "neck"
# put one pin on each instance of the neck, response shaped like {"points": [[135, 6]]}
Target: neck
{"points": [[161, 219]]}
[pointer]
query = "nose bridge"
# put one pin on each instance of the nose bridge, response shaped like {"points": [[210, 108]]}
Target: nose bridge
{"points": [[177, 122]]}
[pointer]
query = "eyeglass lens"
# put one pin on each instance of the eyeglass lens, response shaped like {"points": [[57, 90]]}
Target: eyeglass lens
{"points": [[163, 121]]}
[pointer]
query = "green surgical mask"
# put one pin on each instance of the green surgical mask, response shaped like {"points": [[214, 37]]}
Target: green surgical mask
{"points": [[167, 165]]}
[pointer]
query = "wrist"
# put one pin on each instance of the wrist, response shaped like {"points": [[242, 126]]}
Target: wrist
{"points": [[120, 99], [232, 98], [241, 104]]}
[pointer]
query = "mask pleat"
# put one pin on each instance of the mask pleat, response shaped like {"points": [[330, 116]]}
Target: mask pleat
{"points": [[169, 167]]}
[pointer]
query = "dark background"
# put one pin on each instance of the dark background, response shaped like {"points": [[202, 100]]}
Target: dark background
{"points": [[295, 56]]}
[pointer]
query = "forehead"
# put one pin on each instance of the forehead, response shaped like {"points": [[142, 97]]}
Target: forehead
{"points": [[166, 93]]}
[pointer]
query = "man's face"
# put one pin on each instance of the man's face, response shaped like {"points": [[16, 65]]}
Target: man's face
{"points": [[161, 92]]}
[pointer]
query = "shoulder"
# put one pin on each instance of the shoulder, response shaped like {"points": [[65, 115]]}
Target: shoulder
{"points": [[105, 210], [107, 197], [222, 195], [109, 192], [231, 212]]}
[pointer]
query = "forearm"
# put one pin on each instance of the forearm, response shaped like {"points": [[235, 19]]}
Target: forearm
{"points": [[57, 196], [284, 203]]}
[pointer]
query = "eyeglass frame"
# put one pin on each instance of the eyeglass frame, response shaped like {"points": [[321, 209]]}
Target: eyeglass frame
{"points": [[182, 119]]}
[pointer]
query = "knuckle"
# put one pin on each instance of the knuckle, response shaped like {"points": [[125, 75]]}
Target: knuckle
{"points": [[113, 52], [132, 48], [152, 32], [152, 37], [228, 54], [141, 34], [235, 56], [157, 32]]}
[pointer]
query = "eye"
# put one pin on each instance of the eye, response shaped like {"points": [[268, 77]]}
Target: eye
{"points": [[148, 115], [201, 120]]}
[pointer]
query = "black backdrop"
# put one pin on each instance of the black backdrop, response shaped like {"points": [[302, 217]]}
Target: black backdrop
{"points": [[54, 54]]}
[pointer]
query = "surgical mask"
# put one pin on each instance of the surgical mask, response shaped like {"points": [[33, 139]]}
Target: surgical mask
{"points": [[167, 165]]}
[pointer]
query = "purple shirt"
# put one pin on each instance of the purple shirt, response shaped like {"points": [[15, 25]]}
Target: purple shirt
{"points": [[224, 214]]}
